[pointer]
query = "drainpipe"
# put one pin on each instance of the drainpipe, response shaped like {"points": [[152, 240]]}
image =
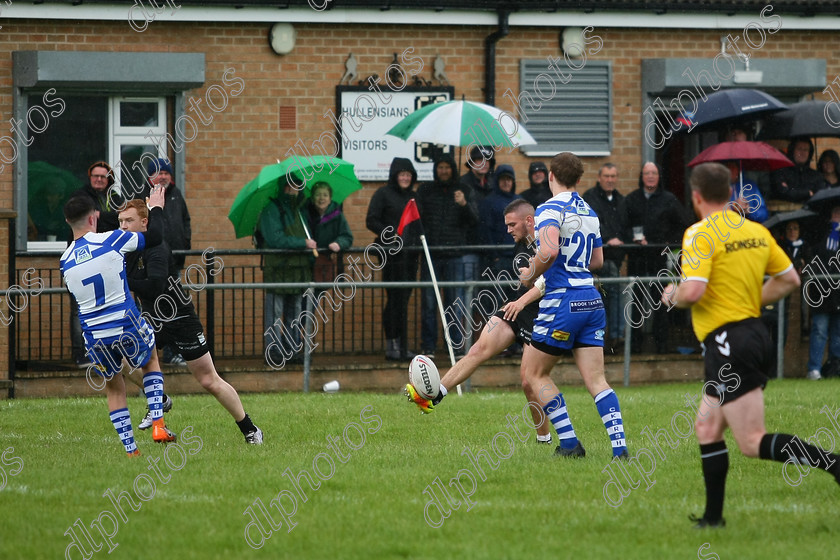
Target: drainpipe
{"points": [[490, 57]]}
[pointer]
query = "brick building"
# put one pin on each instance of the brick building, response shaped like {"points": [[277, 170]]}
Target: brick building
{"points": [[200, 82]]}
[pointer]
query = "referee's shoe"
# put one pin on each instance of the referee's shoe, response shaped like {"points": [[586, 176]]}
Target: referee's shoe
{"points": [[146, 423]]}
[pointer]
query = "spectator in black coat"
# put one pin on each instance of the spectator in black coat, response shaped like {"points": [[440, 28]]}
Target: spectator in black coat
{"points": [[383, 216], [178, 227], [608, 204], [653, 216], [449, 216], [800, 182], [539, 191]]}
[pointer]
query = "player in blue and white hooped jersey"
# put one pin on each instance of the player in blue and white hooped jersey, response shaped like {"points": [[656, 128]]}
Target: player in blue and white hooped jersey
{"points": [[572, 316], [93, 267]]}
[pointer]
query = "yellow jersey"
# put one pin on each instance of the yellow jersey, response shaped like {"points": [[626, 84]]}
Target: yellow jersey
{"points": [[731, 255]]}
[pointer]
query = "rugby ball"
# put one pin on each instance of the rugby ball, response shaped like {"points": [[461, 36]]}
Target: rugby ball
{"points": [[423, 374]]}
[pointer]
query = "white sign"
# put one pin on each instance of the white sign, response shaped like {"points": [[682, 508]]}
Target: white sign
{"points": [[366, 117]]}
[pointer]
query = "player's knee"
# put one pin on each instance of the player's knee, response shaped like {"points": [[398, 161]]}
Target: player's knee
{"points": [[750, 444], [706, 430]]}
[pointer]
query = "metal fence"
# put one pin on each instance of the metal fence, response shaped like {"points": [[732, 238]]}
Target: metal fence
{"points": [[227, 290]]}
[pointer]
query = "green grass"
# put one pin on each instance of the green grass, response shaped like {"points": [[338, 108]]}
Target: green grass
{"points": [[531, 506]]}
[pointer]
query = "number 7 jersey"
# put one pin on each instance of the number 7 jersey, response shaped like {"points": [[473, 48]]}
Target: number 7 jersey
{"points": [[579, 235], [93, 268]]}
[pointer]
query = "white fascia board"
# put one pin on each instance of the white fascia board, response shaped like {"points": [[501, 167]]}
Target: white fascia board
{"points": [[632, 20]]}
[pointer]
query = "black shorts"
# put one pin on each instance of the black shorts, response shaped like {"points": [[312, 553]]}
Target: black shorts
{"points": [[186, 333], [737, 357], [523, 325]]}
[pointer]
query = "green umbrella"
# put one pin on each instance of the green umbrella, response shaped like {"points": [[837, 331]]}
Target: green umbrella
{"points": [[302, 173], [461, 123]]}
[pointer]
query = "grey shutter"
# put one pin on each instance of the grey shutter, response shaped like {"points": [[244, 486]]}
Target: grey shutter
{"points": [[575, 116]]}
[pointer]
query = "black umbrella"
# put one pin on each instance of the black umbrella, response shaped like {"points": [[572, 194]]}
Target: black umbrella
{"points": [[782, 217], [732, 106], [808, 118], [825, 195]]}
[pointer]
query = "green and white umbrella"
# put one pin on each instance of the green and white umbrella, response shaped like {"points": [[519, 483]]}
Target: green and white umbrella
{"points": [[461, 123]]}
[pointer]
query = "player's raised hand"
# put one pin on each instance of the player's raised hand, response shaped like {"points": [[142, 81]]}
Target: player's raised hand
{"points": [[156, 198]]}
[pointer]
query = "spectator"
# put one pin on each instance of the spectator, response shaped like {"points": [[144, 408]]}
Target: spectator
{"points": [[384, 212], [449, 217], [106, 201], [177, 217], [799, 253], [479, 183], [800, 182], [479, 178], [746, 196], [656, 217], [491, 215], [177, 230], [538, 192], [281, 227], [608, 204], [829, 166], [330, 230], [825, 315]]}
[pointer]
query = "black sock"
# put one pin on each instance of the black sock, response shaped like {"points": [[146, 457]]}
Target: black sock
{"points": [[246, 426], [715, 458], [781, 447]]}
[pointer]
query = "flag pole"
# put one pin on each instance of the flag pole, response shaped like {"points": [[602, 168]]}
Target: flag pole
{"points": [[440, 304]]}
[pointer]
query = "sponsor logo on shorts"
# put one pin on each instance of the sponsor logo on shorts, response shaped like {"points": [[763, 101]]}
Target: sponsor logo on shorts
{"points": [[599, 334], [584, 306], [561, 336]]}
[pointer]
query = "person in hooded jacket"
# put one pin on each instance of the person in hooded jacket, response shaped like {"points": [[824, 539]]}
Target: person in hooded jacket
{"points": [[539, 191], [449, 216], [800, 182], [383, 216], [491, 215]]}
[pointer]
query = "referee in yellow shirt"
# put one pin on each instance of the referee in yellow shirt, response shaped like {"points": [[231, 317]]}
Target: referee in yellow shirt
{"points": [[724, 260]]}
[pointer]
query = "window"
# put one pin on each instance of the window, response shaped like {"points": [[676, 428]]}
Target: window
{"points": [[90, 128], [82, 106], [575, 116]]}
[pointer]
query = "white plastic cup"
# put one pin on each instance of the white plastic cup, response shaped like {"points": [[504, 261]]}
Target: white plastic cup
{"points": [[51, 238], [331, 387]]}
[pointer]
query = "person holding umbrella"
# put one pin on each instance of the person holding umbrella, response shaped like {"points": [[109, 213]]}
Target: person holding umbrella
{"points": [[281, 227], [746, 195], [383, 216]]}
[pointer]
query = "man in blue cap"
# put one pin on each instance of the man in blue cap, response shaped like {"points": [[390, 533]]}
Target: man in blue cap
{"points": [[178, 233]]}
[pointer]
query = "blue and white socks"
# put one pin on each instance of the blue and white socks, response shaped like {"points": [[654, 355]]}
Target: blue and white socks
{"points": [[122, 423], [607, 404], [555, 410], [153, 387]]}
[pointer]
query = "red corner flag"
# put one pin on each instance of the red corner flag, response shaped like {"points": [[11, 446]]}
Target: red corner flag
{"points": [[410, 214]]}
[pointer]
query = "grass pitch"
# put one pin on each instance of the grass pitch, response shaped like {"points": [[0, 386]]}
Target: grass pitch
{"points": [[376, 456]]}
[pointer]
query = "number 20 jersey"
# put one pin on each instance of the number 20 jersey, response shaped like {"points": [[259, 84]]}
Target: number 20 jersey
{"points": [[93, 268], [580, 234]]}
